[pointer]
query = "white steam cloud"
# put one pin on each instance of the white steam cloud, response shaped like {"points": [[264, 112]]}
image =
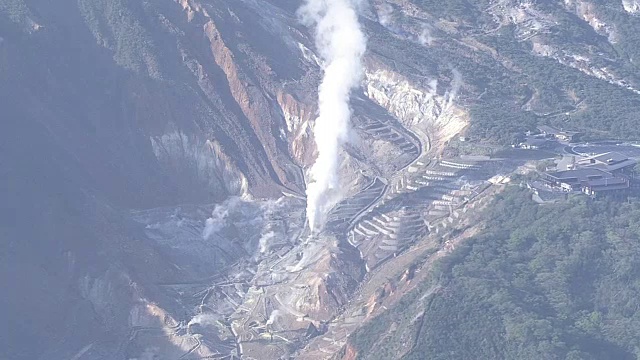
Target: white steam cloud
{"points": [[204, 320], [385, 14], [265, 241], [456, 83], [341, 44], [426, 38], [216, 222], [219, 215], [275, 314]]}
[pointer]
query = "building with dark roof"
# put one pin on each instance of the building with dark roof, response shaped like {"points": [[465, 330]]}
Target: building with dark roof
{"points": [[610, 157], [591, 181], [600, 186], [612, 162], [609, 172], [571, 180]]}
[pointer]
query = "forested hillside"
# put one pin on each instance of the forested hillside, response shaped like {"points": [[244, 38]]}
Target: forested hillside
{"points": [[572, 64], [540, 282]]}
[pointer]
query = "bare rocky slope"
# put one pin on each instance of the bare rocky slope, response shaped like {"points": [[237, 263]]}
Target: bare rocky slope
{"points": [[153, 157]]}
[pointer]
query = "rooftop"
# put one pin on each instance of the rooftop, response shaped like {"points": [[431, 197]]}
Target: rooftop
{"points": [[579, 174], [610, 158], [615, 166]]}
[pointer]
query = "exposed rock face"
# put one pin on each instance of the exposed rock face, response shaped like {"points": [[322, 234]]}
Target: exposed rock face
{"points": [[419, 109], [205, 162], [297, 116], [631, 6], [587, 12], [114, 105]]}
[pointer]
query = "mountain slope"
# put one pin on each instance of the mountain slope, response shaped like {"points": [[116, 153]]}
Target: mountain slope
{"points": [[104, 109], [554, 281]]}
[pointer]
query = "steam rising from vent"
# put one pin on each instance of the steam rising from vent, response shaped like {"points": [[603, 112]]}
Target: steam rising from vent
{"points": [[265, 239], [341, 44], [218, 219], [456, 83], [385, 14], [204, 320], [273, 317], [426, 39]]}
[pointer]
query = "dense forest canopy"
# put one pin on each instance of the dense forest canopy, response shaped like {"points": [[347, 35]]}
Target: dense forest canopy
{"points": [[563, 91], [559, 281]]}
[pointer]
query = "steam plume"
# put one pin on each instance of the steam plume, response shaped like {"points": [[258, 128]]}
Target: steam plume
{"points": [[265, 239], [385, 14], [204, 320], [341, 44], [426, 39], [456, 83], [273, 317]]}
